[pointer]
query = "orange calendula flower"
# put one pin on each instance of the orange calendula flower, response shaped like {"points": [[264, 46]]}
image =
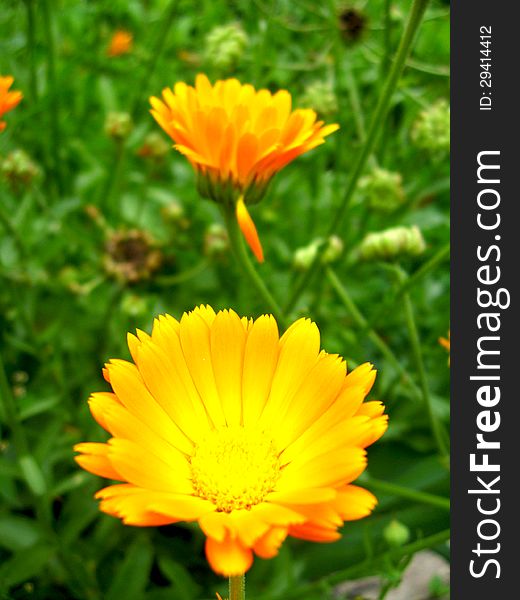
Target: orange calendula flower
{"points": [[121, 43], [8, 100], [221, 421], [236, 138]]}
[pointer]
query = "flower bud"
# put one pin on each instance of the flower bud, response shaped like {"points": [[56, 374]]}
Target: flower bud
{"points": [[134, 305], [392, 243], [216, 241], [154, 147], [431, 130], [305, 256], [396, 533], [383, 190], [225, 45], [333, 250], [173, 213], [118, 125], [19, 169], [320, 96]]}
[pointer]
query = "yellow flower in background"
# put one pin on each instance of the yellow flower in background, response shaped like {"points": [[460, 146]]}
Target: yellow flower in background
{"points": [[8, 100], [121, 43], [236, 138], [221, 421]]}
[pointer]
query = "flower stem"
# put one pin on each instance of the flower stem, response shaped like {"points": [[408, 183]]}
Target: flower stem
{"points": [[237, 587], [383, 104], [368, 566], [409, 493], [54, 108], [160, 39], [362, 323], [410, 281], [435, 425], [237, 244], [31, 43]]}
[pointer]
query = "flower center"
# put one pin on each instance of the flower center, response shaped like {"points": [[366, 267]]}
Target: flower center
{"points": [[234, 467]]}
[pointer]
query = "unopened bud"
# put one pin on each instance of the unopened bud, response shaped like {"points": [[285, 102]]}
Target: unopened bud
{"points": [[19, 169], [118, 125], [382, 190], [173, 213], [320, 96], [216, 241], [225, 45], [392, 243], [134, 305], [154, 147], [305, 256], [396, 533], [431, 131]]}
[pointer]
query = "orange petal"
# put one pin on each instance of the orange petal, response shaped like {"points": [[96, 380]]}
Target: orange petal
{"points": [[229, 557], [249, 230]]}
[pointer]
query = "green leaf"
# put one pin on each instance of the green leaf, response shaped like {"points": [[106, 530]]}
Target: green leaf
{"points": [[180, 578], [24, 565], [17, 533], [132, 576]]}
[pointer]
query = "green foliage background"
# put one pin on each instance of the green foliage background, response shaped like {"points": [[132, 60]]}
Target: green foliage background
{"points": [[62, 315]]}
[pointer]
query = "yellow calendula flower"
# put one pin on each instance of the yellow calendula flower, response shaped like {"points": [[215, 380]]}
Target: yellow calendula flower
{"points": [[236, 138], [121, 43], [221, 421], [8, 99]]}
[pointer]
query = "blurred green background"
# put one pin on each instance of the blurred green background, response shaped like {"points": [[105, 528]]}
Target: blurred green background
{"points": [[101, 229]]}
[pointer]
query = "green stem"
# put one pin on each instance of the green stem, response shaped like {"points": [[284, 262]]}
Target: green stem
{"points": [[380, 111], [237, 587], [31, 44], [13, 232], [410, 281], [54, 108], [435, 425], [237, 244], [28, 466], [369, 566], [160, 39], [362, 323], [408, 493]]}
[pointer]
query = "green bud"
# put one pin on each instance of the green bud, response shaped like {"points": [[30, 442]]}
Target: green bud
{"points": [[173, 213], [19, 169], [383, 190], [333, 250], [225, 45], [118, 125], [392, 243], [320, 96], [216, 241], [396, 533], [134, 305], [431, 130], [305, 256], [154, 147]]}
